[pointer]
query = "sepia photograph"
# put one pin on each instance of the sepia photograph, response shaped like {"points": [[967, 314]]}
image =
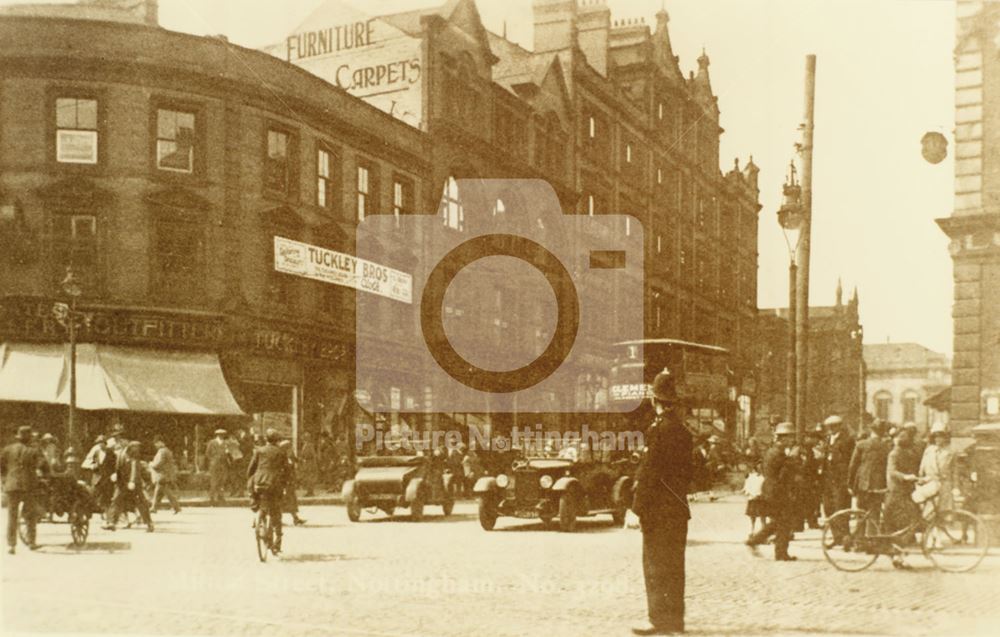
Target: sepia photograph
{"points": [[500, 318]]}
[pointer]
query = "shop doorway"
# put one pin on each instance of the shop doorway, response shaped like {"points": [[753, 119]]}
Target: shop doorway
{"points": [[273, 406]]}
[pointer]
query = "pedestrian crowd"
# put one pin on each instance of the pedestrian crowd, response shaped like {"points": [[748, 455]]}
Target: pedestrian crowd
{"points": [[794, 485]]}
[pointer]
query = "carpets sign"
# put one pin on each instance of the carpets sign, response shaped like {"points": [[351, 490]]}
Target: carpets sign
{"points": [[368, 57]]}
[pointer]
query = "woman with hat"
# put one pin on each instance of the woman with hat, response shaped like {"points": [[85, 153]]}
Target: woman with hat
{"points": [[938, 465]]}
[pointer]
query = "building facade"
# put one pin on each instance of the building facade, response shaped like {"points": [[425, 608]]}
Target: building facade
{"points": [[974, 224], [162, 167], [901, 377], [836, 365]]}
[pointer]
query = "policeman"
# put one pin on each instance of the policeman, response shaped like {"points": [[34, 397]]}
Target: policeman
{"points": [[778, 493], [660, 502]]}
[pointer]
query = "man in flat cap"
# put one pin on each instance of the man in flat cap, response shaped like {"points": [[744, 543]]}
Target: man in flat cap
{"points": [[660, 502], [778, 492], [20, 466], [217, 459]]}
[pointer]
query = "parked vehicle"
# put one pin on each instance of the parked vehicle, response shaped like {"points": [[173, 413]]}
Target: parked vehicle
{"points": [[392, 482]]}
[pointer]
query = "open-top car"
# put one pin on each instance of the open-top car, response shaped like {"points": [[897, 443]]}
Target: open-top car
{"points": [[550, 488], [391, 482]]}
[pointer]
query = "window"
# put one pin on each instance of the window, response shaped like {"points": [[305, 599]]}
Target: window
{"points": [[659, 176], [76, 130], [178, 258], [659, 110], [909, 407], [402, 197], [499, 208], [590, 205], [324, 179], [175, 140], [74, 244], [366, 191], [592, 127], [628, 153], [277, 165], [659, 244], [883, 400], [452, 213]]}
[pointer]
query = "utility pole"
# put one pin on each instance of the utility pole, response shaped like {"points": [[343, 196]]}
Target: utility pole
{"points": [[791, 367], [802, 260]]}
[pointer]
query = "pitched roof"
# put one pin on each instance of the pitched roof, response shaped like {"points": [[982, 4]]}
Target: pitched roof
{"points": [[892, 356]]}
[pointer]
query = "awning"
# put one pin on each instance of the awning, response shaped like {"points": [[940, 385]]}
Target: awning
{"points": [[940, 401], [118, 378]]}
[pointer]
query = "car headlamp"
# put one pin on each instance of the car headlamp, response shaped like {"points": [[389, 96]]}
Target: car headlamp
{"points": [[545, 481], [503, 481]]}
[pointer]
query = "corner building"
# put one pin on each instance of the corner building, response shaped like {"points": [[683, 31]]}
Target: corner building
{"points": [[161, 167]]}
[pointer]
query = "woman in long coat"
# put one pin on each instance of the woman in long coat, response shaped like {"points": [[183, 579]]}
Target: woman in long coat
{"points": [[938, 463]]}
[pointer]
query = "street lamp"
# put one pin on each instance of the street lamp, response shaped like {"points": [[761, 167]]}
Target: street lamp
{"points": [[790, 217], [68, 317]]}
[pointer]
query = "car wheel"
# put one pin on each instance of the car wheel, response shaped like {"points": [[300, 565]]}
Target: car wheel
{"points": [[449, 500], [353, 507], [567, 512], [618, 515], [417, 507], [487, 511]]}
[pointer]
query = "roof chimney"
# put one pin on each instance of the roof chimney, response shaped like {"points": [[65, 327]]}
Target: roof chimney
{"points": [[555, 24], [593, 23]]}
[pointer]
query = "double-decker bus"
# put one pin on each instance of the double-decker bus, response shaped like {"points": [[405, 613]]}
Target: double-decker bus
{"points": [[702, 379]]}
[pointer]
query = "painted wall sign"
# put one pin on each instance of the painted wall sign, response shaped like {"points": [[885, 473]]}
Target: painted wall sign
{"points": [[366, 56], [330, 266]]}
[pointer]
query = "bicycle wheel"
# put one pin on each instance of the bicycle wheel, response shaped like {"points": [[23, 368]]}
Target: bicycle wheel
{"points": [[262, 534], [856, 549], [956, 541]]}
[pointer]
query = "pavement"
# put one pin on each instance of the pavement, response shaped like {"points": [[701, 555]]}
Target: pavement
{"points": [[198, 574]]}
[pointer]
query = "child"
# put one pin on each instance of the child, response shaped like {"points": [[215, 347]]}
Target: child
{"points": [[755, 503]]}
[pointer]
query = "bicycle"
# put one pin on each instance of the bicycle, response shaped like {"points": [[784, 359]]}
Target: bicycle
{"points": [[954, 540], [265, 528]]}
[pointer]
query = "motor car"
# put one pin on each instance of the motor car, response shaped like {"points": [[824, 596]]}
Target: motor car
{"points": [[557, 488], [393, 482]]}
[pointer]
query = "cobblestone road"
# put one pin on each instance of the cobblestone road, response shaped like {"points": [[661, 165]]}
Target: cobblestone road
{"points": [[199, 575]]}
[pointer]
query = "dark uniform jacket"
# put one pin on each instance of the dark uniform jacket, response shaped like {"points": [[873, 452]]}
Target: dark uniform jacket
{"points": [[779, 477], [664, 473], [20, 465], [269, 468], [867, 470], [838, 460]]}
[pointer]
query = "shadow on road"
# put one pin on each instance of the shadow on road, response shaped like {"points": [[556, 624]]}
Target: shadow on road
{"points": [[454, 517], [582, 526], [320, 557], [89, 547]]}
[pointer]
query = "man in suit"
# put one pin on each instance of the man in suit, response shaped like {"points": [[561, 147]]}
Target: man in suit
{"points": [[839, 449], [660, 502], [20, 466], [866, 473], [267, 476], [164, 472], [778, 493], [217, 459], [129, 488]]}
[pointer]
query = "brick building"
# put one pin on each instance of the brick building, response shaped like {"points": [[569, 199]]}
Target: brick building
{"points": [[162, 167], [837, 370]]}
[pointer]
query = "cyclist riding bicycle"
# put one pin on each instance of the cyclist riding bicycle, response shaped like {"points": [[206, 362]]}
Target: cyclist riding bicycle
{"points": [[267, 477]]}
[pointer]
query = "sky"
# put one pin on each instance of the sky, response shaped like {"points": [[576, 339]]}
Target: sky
{"points": [[884, 77]]}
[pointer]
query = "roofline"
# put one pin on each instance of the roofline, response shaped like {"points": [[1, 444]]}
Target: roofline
{"points": [[674, 341]]}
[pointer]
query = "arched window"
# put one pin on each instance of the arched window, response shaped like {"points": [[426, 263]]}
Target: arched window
{"points": [[881, 402], [452, 213]]}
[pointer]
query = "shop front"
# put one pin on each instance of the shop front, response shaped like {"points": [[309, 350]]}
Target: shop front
{"points": [[156, 373]]}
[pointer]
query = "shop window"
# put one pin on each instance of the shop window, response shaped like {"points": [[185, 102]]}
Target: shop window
{"points": [[178, 254], [277, 164], [76, 130], [175, 140], [452, 212], [75, 244]]}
